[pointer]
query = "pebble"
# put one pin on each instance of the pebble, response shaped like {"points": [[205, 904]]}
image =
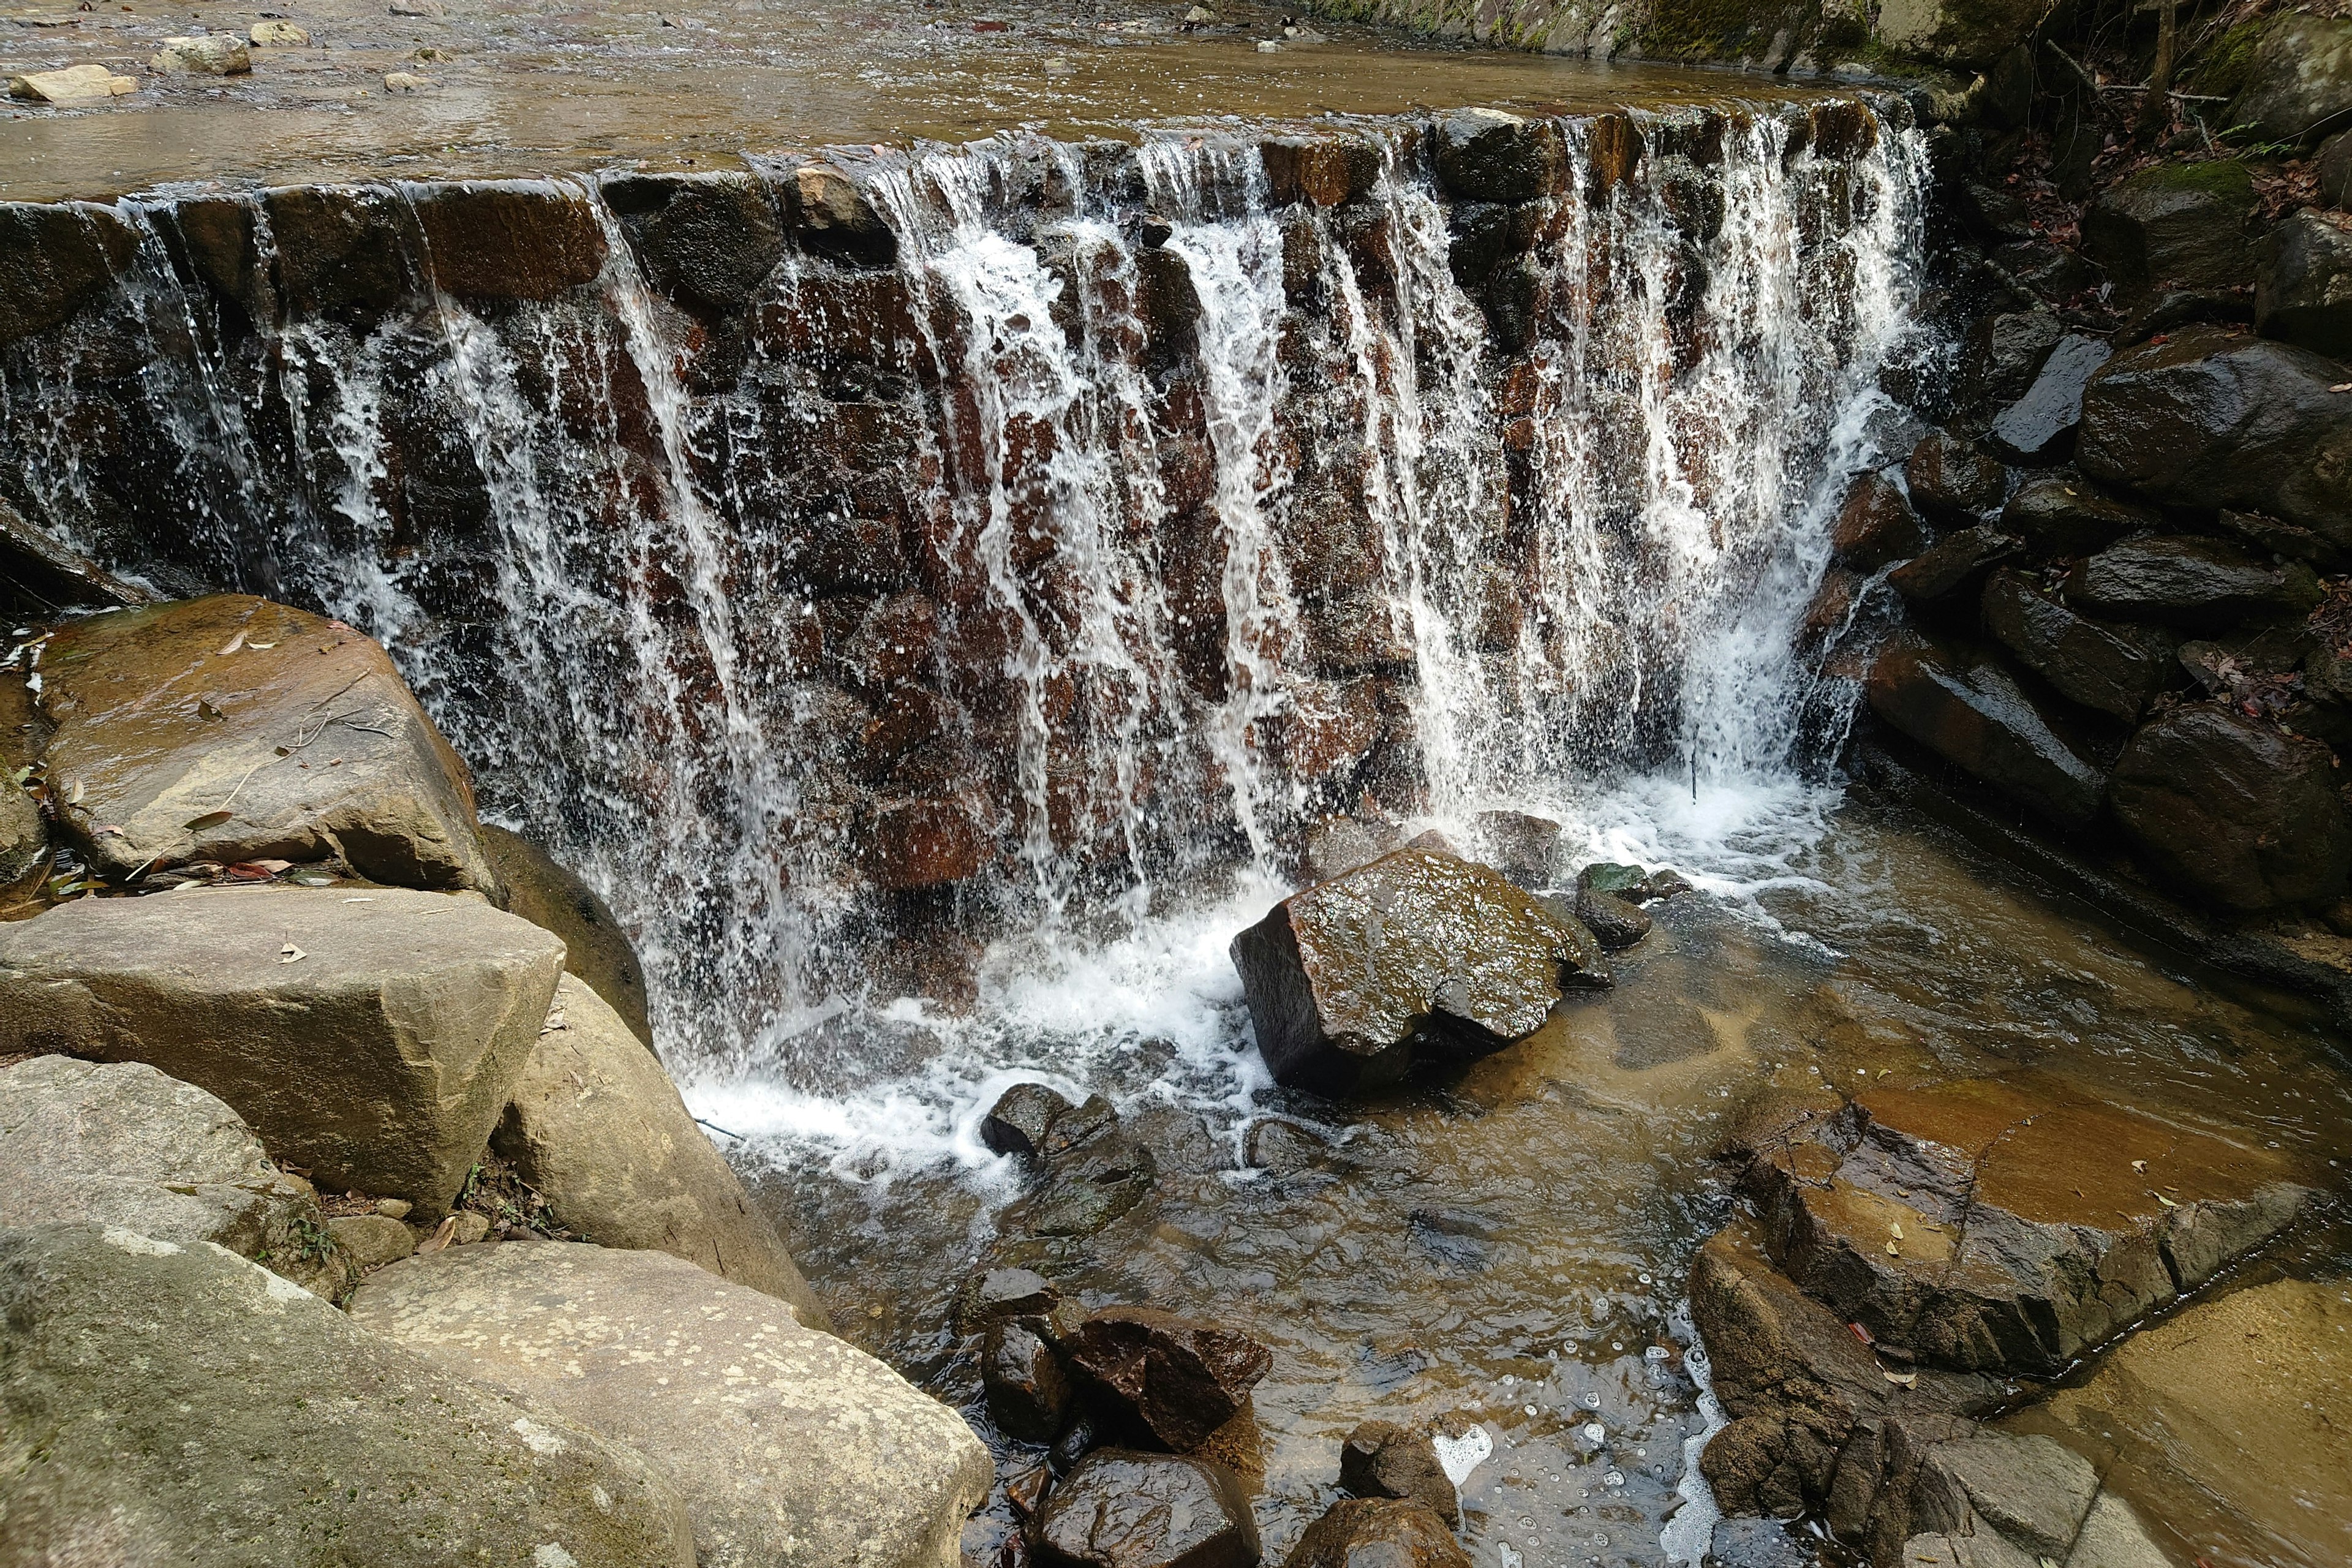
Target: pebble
{"points": [[401, 81]]}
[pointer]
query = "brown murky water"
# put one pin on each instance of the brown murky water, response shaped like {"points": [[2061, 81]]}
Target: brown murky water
{"points": [[522, 88], [1506, 1247]]}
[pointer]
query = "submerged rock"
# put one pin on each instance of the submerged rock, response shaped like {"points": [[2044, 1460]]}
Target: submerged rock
{"points": [[1091, 1169], [372, 1039], [787, 1446], [121, 1144], [1122, 1509], [595, 1127], [1970, 711], [178, 1403], [1170, 1379], [2116, 669], [1419, 951], [2234, 809], [231, 729], [1377, 1532], [1382, 1460], [2008, 1225]]}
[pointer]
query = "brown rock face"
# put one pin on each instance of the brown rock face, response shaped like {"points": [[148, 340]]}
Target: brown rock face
{"points": [[1418, 949], [553, 898], [1970, 711], [2235, 809], [1999, 1227], [1120, 1509], [1876, 525], [509, 239], [1173, 1379], [1378, 1533], [233, 729]]}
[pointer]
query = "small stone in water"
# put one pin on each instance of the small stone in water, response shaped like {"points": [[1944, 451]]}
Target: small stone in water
{"points": [[1613, 1478], [1595, 1433]]}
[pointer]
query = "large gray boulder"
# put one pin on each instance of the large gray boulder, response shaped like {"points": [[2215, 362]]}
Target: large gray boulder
{"points": [[2235, 809], [121, 1144], [2187, 224], [2300, 82], [370, 1038], [162, 1403], [232, 729], [2303, 283], [2212, 419], [789, 1447], [596, 1127]]}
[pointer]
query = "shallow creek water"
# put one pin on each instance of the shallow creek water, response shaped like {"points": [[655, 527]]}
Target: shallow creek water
{"points": [[1506, 1248]]}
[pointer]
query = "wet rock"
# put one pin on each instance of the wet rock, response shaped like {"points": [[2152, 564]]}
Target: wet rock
{"points": [[1955, 564], [1968, 711], [2029, 1490], [209, 54], [2269, 534], [1028, 1389], [2038, 427], [509, 239], [39, 576], [2187, 225], [121, 1144], [1875, 525], [2302, 284], [552, 897], [1283, 1147], [707, 241], [2333, 165], [372, 1040], [2300, 79], [1377, 1532], [1486, 155], [2005, 352], [835, 219], [2117, 670], [1606, 902], [1382, 1460], [1166, 1379], [2233, 1410], [189, 1407], [2065, 515], [1094, 1171], [927, 842], [1419, 951], [1830, 609], [231, 729], [1340, 844], [55, 257], [2183, 580], [72, 84], [1016, 1123], [1122, 1509], [277, 34], [24, 834], [2213, 419], [2003, 1227], [340, 249], [1953, 481], [2234, 809], [1523, 848], [595, 1127], [787, 1446], [372, 1241], [1319, 171]]}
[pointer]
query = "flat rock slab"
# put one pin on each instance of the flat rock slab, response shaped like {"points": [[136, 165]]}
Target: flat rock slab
{"points": [[789, 1447], [370, 1038], [2009, 1226], [122, 1144], [170, 1404], [232, 729], [1418, 950], [596, 1127], [2227, 1422]]}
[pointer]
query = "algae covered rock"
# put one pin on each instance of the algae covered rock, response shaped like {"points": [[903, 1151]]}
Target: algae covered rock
{"points": [[2187, 224], [1417, 951], [2299, 83], [371, 1038], [788, 1447], [169, 1403]]}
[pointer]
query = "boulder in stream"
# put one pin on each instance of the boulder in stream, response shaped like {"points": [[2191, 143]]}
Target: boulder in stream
{"points": [[1420, 950], [1382, 1460], [370, 1038], [1487, 155], [1970, 711], [1377, 1532], [788, 1447], [2116, 668], [2234, 808], [1123, 1510], [1955, 564], [1170, 1380]]}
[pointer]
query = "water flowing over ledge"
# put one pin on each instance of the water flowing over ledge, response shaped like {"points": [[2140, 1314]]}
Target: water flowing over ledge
{"points": [[1035, 529]]}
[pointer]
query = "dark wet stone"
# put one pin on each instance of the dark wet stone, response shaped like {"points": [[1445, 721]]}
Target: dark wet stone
{"points": [[1318, 171], [1993, 212], [2211, 418], [2268, 534], [1095, 1172], [1955, 564], [706, 241], [1072, 1125], [1953, 481], [1028, 1388], [1480, 231], [1343, 842], [2302, 284], [1523, 848], [2056, 272], [1605, 902], [1168, 1380], [2004, 354], [1419, 951], [1485, 155], [2038, 427], [1004, 1293], [1970, 711], [1170, 306], [2001, 1226], [1875, 525], [835, 218], [1077, 1441], [1379, 1533], [55, 258], [1830, 609], [2333, 165], [2183, 223], [1283, 1147], [2065, 515], [2187, 581], [218, 233], [339, 249], [2117, 670], [1016, 1123], [1122, 1509], [2234, 809], [40, 575], [509, 239], [1382, 1460]]}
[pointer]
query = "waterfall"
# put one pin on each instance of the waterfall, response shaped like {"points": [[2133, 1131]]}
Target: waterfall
{"points": [[1134, 516]]}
